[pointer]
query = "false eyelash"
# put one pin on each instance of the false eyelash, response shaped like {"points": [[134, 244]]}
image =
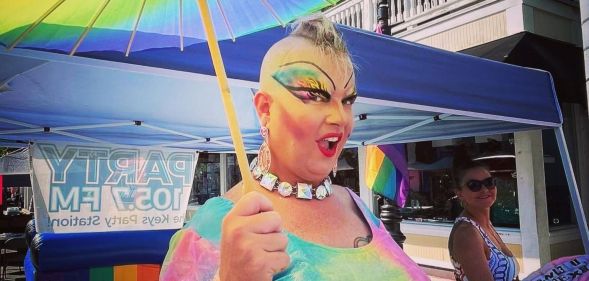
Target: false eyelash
{"points": [[350, 99], [312, 93]]}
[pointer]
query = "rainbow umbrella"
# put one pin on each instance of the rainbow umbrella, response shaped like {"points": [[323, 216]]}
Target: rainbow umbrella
{"points": [[386, 172], [127, 26]]}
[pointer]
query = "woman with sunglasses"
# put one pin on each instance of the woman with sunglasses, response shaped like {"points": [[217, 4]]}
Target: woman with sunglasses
{"points": [[476, 249]]}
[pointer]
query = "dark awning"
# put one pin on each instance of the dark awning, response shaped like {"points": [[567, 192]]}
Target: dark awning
{"points": [[15, 180], [563, 60]]}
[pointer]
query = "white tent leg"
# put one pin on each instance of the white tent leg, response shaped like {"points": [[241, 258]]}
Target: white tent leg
{"points": [[573, 189]]}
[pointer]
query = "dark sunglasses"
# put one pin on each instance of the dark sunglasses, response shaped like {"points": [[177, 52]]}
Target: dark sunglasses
{"points": [[476, 185]]}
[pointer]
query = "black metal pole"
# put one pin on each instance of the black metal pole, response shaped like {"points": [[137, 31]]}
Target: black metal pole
{"points": [[390, 215]]}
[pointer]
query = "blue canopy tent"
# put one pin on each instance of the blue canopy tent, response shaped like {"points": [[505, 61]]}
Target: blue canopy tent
{"points": [[164, 97], [416, 83]]}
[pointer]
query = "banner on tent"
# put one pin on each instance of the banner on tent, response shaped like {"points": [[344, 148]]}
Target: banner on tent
{"points": [[104, 188]]}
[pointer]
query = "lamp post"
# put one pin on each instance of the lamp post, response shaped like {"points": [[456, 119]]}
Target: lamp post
{"points": [[383, 16], [390, 214]]}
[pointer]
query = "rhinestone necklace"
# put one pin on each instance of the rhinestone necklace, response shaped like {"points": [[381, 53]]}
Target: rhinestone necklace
{"points": [[300, 190]]}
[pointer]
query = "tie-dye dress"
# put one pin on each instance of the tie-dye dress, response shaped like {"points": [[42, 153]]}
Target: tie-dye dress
{"points": [[194, 252]]}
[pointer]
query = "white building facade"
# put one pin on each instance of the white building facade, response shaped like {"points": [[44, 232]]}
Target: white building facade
{"points": [[456, 25]]}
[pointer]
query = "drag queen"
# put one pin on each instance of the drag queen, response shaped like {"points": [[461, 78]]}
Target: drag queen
{"points": [[294, 224]]}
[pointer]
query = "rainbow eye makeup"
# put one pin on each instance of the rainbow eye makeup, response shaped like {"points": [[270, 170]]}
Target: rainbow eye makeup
{"points": [[305, 81]]}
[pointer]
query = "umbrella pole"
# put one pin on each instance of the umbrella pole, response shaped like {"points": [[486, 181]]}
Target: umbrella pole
{"points": [[205, 15]]}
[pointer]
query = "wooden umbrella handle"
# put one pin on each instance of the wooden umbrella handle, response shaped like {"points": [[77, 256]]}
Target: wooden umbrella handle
{"points": [[205, 15]]}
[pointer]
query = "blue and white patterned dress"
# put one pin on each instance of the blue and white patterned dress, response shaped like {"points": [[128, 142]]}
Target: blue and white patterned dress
{"points": [[502, 266]]}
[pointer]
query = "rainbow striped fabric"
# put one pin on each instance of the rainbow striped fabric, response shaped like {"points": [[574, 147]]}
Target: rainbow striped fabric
{"points": [[134, 272], [386, 172], [109, 25]]}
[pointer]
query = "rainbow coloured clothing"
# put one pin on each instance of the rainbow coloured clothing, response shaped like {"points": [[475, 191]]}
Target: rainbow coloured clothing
{"points": [[194, 252]]}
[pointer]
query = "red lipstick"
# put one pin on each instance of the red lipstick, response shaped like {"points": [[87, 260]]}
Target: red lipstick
{"points": [[327, 144]]}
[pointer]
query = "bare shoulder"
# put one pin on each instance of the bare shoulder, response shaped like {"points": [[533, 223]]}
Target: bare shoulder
{"points": [[234, 194], [466, 238], [342, 194], [465, 230], [470, 251]]}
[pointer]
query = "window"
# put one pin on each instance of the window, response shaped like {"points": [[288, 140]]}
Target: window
{"points": [[558, 201], [431, 197], [233, 174], [347, 170], [206, 178]]}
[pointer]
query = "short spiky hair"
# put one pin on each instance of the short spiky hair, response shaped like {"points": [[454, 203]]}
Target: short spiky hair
{"points": [[323, 34], [320, 33]]}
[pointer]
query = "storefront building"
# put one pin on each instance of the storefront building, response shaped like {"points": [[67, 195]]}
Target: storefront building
{"points": [[533, 213]]}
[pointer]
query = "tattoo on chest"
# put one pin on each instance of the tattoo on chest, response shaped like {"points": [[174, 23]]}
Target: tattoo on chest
{"points": [[362, 241]]}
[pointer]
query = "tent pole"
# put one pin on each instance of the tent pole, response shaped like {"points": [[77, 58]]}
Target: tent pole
{"points": [[573, 189]]}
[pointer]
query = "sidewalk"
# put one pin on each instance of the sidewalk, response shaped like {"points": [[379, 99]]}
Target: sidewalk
{"points": [[434, 278], [438, 274]]}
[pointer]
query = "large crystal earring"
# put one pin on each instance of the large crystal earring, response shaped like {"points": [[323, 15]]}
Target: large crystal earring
{"points": [[334, 170], [264, 157]]}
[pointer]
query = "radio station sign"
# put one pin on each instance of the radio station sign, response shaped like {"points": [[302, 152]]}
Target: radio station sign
{"points": [[98, 188]]}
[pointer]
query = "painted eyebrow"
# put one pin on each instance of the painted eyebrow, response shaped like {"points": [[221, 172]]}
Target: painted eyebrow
{"points": [[349, 79], [316, 66]]}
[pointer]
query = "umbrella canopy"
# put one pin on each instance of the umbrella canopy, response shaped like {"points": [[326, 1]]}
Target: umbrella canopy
{"points": [[121, 25], [162, 22], [408, 92]]}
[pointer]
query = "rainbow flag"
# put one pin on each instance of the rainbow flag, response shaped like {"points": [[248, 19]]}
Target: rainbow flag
{"points": [[131, 272], [386, 171]]}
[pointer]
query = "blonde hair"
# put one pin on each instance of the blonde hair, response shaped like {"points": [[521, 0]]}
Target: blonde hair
{"points": [[319, 30], [323, 34]]}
